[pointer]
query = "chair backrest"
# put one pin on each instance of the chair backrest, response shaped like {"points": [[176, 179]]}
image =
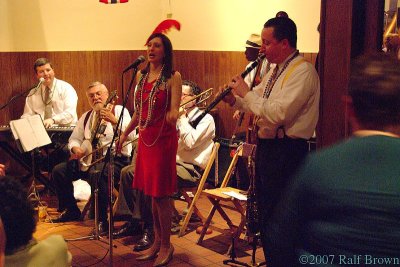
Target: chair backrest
{"points": [[231, 167], [200, 187], [214, 155]]}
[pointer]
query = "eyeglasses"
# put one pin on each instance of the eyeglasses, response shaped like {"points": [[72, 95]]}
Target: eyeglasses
{"points": [[98, 94]]}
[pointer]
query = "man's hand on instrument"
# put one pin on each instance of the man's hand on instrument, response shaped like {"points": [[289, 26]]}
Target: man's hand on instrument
{"points": [[48, 123], [77, 152], [108, 115], [239, 86], [2, 170], [229, 98], [119, 142]]}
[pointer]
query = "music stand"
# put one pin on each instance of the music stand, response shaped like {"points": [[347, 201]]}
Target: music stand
{"points": [[30, 134]]}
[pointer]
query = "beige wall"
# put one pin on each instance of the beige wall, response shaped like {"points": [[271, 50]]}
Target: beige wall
{"points": [[87, 25]]}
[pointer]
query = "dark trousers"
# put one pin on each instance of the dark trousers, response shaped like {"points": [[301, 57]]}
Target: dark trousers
{"points": [[63, 179], [276, 161]]}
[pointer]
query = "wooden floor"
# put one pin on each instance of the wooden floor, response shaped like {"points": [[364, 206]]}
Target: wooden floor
{"points": [[212, 252]]}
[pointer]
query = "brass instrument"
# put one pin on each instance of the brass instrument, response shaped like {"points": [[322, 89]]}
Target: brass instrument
{"points": [[203, 97]]}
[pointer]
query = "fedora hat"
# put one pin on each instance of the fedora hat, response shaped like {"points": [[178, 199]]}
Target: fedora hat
{"points": [[254, 41]]}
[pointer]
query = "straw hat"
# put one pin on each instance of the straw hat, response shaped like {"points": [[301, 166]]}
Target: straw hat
{"points": [[254, 41]]}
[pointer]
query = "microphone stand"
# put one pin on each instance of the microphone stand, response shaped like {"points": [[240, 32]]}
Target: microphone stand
{"points": [[18, 96], [110, 159]]}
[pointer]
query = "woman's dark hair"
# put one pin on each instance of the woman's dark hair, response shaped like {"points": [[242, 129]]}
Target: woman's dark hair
{"points": [[168, 55], [17, 214], [284, 28], [375, 90]]}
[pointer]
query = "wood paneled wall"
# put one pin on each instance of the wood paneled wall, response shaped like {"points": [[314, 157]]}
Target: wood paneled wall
{"points": [[207, 68]]}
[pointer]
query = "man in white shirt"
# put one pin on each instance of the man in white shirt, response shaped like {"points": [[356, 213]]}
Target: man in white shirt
{"points": [[55, 100], [194, 151], [286, 103], [97, 95]]}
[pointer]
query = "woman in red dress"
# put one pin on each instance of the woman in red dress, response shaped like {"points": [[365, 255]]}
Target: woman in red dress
{"points": [[157, 99]]}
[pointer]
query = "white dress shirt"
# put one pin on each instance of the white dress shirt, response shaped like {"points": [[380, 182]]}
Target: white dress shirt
{"points": [[293, 102], [81, 133], [64, 100], [250, 77], [195, 145]]}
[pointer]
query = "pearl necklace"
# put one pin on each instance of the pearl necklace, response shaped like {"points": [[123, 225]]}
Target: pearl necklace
{"points": [[151, 98]]}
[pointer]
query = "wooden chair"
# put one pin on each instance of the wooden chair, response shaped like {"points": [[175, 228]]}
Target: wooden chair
{"points": [[220, 200], [192, 202]]}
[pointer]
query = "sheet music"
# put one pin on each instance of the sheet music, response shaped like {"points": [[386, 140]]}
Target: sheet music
{"points": [[235, 195], [30, 132]]}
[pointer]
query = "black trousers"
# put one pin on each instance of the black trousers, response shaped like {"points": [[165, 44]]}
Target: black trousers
{"points": [[63, 179], [276, 161]]}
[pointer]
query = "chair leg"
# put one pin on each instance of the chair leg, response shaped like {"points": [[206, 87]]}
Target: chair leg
{"points": [[206, 225]]}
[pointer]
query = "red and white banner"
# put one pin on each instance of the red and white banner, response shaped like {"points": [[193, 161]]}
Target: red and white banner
{"points": [[113, 1]]}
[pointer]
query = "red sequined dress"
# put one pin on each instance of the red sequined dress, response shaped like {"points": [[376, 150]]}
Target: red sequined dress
{"points": [[155, 172]]}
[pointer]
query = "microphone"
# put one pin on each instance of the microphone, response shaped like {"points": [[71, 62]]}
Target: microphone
{"points": [[136, 63], [41, 80]]}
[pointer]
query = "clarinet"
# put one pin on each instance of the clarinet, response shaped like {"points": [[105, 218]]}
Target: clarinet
{"points": [[226, 91]]}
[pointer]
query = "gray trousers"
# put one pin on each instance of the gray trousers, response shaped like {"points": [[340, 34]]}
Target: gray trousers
{"points": [[132, 204]]}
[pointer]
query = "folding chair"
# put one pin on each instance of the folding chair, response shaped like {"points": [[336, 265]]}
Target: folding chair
{"points": [[200, 186], [220, 200]]}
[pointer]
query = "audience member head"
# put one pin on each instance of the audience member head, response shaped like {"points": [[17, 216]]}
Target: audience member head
{"points": [[44, 69], [374, 89], [279, 37], [159, 41], [97, 95], [16, 213], [253, 45]]}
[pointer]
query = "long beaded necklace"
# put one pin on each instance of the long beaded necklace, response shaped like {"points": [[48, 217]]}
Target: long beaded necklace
{"points": [[268, 89], [151, 98], [151, 105], [273, 78]]}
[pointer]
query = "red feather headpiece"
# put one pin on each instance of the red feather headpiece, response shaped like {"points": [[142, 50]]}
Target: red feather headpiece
{"points": [[165, 26]]}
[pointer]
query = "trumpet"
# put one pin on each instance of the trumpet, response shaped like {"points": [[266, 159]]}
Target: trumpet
{"points": [[86, 161]]}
